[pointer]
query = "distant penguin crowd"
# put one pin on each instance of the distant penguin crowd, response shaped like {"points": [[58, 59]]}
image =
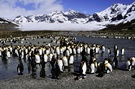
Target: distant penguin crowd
{"points": [[61, 56]]}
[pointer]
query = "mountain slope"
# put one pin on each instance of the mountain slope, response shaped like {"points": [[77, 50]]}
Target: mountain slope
{"points": [[118, 13], [6, 24], [129, 26]]}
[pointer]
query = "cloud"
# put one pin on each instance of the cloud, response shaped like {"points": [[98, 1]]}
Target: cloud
{"points": [[11, 9]]}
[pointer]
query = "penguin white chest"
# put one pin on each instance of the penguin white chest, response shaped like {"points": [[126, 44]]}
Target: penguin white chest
{"points": [[8, 54], [37, 58], [92, 67], [84, 68], [71, 59], [65, 61], [60, 64], [45, 58]]}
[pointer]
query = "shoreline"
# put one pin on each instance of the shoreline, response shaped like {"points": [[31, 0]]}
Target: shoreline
{"points": [[118, 79]]}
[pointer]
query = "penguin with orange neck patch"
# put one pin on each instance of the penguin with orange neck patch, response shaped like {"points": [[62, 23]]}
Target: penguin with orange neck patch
{"points": [[83, 67], [100, 70], [131, 63], [82, 71], [108, 66], [93, 66]]}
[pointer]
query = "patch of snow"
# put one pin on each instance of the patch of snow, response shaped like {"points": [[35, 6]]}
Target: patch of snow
{"points": [[1, 22]]}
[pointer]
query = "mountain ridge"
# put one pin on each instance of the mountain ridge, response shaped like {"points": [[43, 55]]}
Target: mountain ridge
{"points": [[115, 14]]}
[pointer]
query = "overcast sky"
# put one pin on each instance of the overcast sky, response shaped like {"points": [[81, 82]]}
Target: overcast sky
{"points": [[12, 8]]}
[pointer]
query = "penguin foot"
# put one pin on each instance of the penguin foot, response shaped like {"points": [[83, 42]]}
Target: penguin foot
{"points": [[133, 76], [75, 78], [20, 73], [91, 73], [34, 76], [57, 78], [84, 77], [61, 71], [88, 72], [78, 78], [100, 75]]}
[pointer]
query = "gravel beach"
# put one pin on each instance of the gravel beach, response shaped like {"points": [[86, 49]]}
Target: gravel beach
{"points": [[118, 79]]}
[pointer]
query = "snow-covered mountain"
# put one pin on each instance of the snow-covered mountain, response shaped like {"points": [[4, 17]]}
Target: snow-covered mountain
{"points": [[119, 13], [115, 14], [70, 16]]}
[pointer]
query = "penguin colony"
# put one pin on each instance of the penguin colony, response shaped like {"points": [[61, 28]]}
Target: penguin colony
{"points": [[61, 56]]}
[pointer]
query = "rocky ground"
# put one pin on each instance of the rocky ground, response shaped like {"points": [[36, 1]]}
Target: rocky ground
{"points": [[118, 79]]}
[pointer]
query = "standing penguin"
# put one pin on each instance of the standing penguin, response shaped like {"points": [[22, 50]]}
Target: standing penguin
{"points": [[42, 71], [55, 68], [91, 52], [37, 59], [128, 64], [115, 62], [45, 58], [65, 62], [67, 52], [88, 50], [71, 62], [60, 64], [1, 51], [33, 66], [71, 59], [115, 47], [103, 49], [8, 55], [97, 49], [20, 67], [50, 56], [108, 68], [122, 51], [131, 63], [83, 69], [58, 50], [100, 69], [109, 52], [28, 61], [74, 50], [117, 54], [4, 54], [93, 66], [38, 64]]}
